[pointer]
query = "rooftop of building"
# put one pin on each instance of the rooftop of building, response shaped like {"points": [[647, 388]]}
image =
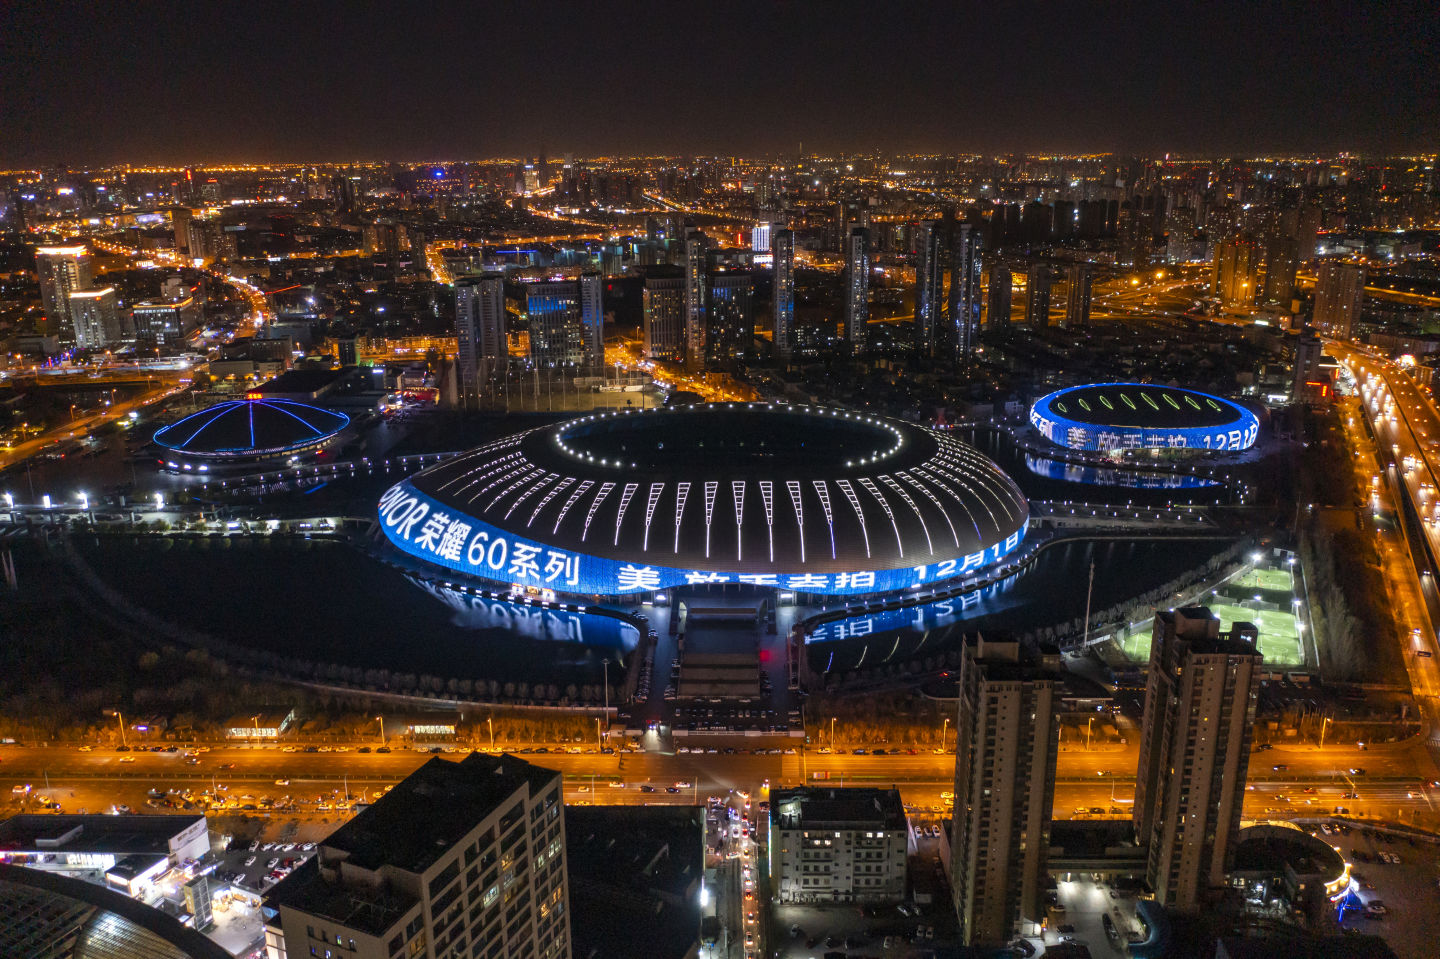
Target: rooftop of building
{"points": [[301, 381], [119, 835], [250, 427], [814, 807], [635, 874], [409, 828], [42, 908], [1198, 626]]}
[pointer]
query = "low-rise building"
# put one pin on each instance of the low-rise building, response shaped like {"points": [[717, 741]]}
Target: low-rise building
{"points": [[837, 845], [261, 724], [126, 853]]}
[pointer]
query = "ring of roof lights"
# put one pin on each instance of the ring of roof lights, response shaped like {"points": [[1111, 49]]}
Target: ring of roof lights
{"points": [[1119, 416], [806, 498]]}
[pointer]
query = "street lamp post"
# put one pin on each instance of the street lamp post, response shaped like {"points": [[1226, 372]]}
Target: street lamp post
{"points": [[832, 733], [256, 720], [605, 664], [120, 718], [490, 724], [381, 722], [599, 741], [1089, 730], [1323, 726], [943, 731]]}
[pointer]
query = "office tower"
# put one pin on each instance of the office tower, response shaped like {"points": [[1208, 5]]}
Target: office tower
{"points": [[1312, 217], [1079, 278], [730, 317], [63, 270], [385, 239], [1339, 298], [857, 289], [167, 323], [17, 211], [1002, 290], [1007, 736], [95, 317], [697, 248], [782, 245], [837, 845], [480, 332], [347, 347], [556, 332], [592, 317], [459, 859], [180, 218], [929, 280], [1281, 244], [760, 238], [1136, 232], [1038, 279], [664, 313], [531, 178], [964, 305], [1194, 751], [1305, 374], [1234, 272]]}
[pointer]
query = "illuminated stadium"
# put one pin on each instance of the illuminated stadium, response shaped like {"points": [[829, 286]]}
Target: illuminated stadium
{"points": [[1112, 417], [247, 433], [814, 500]]}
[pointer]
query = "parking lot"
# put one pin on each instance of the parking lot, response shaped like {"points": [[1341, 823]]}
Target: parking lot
{"points": [[1409, 889]]}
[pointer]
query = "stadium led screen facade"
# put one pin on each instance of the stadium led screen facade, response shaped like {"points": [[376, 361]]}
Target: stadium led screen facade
{"points": [[1135, 416], [798, 498]]}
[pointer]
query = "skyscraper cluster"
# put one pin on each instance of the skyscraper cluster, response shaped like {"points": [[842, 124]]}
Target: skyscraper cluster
{"points": [[1190, 785]]}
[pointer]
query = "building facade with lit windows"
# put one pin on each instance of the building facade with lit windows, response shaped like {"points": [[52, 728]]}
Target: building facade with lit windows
{"points": [[1007, 735], [837, 845], [460, 860], [626, 504], [63, 270], [664, 314], [1194, 753], [95, 318]]}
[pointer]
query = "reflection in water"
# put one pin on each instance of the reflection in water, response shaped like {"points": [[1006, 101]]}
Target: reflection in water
{"points": [[1101, 476], [532, 622], [1048, 592]]}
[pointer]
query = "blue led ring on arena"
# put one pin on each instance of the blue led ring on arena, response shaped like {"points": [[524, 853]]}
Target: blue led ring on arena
{"points": [[1111, 417], [814, 500]]}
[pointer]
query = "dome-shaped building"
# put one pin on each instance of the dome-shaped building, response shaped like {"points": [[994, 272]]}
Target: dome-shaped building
{"points": [[816, 500], [247, 434], [1107, 417]]}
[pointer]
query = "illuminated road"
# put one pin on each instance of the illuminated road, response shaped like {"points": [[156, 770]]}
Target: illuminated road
{"points": [[85, 423], [1407, 428], [1086, 779]]}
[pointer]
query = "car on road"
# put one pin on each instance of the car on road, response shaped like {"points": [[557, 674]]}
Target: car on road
{"points": [[127, 759], [1357, 771], [647, 789], [249, 860], [282, 782], [1279, 767]]}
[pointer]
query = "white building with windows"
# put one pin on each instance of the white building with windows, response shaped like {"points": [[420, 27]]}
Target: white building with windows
{"points": [[837, 845]]}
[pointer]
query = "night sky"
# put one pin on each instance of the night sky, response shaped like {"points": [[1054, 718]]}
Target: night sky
{"points": [[208, 81]]}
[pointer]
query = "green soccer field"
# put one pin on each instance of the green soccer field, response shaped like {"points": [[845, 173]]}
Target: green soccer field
{"points": [[1267, 579], [1279, 637]]}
